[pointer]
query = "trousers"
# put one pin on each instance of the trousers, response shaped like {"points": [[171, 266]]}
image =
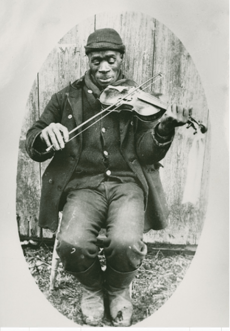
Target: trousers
{"points": [[117, 207]]}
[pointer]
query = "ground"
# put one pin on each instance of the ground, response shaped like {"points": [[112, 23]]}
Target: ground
{"points": [[156, 281]]}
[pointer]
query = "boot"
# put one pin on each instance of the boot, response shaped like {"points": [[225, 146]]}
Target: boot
{"points": [[120, 304], [92, 301]]}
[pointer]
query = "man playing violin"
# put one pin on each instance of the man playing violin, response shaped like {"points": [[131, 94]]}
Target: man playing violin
{"points": [[106, 177]]}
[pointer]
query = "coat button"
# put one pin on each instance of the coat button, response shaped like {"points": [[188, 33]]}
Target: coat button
{"points": [[108, 172], [70, 116], [89, 91], [51, 181], [106, 153], [103, 130]]}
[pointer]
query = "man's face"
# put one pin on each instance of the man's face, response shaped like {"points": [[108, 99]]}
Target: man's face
{"points": [[105, 67]]}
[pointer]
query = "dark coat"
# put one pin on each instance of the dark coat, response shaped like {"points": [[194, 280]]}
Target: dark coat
{"points": [[65, 107]]}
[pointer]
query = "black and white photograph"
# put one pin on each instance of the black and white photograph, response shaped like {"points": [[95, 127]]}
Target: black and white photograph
{"points": [[119, 166]]}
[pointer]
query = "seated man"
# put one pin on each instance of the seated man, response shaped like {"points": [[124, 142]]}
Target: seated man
{"points": [[106, 177]]}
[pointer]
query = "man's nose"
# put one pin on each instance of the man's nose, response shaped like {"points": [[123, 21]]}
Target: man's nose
{"points": [[104, 67]]}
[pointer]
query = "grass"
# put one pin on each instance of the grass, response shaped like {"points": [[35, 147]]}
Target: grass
{"points": [[155, 282]]}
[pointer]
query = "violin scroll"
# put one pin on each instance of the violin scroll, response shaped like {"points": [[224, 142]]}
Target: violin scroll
{"points": [[196, 125]]}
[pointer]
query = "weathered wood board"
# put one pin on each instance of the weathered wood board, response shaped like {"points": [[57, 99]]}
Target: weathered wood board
{"points": [[150, 48], [28, 175]]}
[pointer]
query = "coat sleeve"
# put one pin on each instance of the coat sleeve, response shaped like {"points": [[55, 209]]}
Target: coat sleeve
{"points": [[150, 146], [35, 148]]}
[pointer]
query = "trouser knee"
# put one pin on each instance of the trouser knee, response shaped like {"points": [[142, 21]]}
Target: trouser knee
{"points": [[125, 254], [76, 258]]}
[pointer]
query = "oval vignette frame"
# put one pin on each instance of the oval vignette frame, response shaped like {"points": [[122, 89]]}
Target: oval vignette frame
{"points": [[67, 62]]}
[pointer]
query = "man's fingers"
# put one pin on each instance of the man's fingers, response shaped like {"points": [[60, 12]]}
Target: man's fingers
{"points": [[174, 109], [55, 134], [187, 112], [64, 131], [45, 137], [57, 138], [176, 115], [53, 139]]}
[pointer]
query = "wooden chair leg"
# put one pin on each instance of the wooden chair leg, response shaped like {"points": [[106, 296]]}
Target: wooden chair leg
{"points": [[55, 259], [131, 289], [54, 266]]}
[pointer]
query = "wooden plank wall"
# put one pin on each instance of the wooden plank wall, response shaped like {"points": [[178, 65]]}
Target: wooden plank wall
{"points": [[151, 48]]}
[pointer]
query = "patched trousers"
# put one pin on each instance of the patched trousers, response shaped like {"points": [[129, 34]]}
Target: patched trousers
{"points": [[118, 207]]}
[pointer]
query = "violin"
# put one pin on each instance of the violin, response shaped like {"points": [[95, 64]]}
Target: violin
{"points": [[128, 98], [146, 106]]}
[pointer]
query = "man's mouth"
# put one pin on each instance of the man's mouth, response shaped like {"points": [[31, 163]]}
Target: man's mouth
{"points": [[105, 80]]}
